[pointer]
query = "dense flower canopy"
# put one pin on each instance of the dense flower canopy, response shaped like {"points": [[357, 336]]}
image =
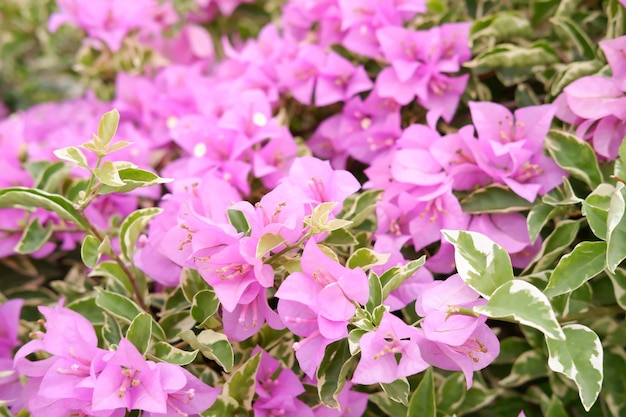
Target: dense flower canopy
{"points": [[315, 208]]}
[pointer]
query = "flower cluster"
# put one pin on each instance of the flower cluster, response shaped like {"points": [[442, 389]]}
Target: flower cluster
{"points": [[78, 378], [259, 144], [595, 103], [10, 384], [420, 172]]}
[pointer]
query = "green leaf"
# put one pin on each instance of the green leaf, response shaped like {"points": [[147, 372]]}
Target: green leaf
{"points": [[140, 332], [555, 408], [618, 279], [241, 386], [174, 323], [510, 55], [616, 228], [132, 226], [333, 371], [537, 218], [204, 306], [87, 307], [34, 237], [542, 9], [571, 72], [524, 303], [564, 195], [500, 26], [362, 207], [614, 381], [483, 264], [423, 402], [494, 198], [112, 271], [366, 258], [192, 283], [239, 221], [340, 237], [212, 345], [560, 239], [596, 209], [376, 292], [170, 354], [575, 156], [29, 198], [89, 251], [568, 29], [398, 390], [451, 393], [586, 261], [120, 144], [72, 154], [388, 406], [133, 178], [108, 126], [108, 174], [528, 366], [394, 277], [52, 177], [268, 242], [579, 357], [111, 332], [117, 305]]}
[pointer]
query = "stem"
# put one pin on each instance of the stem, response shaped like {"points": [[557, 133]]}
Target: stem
{"points": [[592, 312], [131, 276], [286, 249], [91, 181]]}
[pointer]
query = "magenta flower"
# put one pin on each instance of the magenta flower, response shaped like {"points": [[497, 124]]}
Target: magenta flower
{"points": [[247, 318], [317, 303], [510, 231], [128, 381], [453, 341], [9, 322], [380, 349], [109, 21], [278, 389], [299, 75], [186, 394], [10, 384], [320, 183], [614, 52], [339, 80], [472, 354], [351, 404]]}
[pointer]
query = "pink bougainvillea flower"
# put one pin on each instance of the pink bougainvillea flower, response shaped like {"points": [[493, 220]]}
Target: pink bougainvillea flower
{"points": [[453, 341], [614, 52], [379, 349], [588, 96], [9, 322], [278, 389], [186, 394], [472, 354], [510, 231], [339, 80], [320, 182], [317, 303], [351, 404], [495, 122], [128, 381]]}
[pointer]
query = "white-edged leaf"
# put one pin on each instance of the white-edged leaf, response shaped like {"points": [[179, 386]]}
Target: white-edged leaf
{"points": [[586, 261], [524, 303], [579, 357], [483, 264]]}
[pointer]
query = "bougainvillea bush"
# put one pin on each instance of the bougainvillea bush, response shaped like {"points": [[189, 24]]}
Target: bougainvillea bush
{"points": [[312, 208]]}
